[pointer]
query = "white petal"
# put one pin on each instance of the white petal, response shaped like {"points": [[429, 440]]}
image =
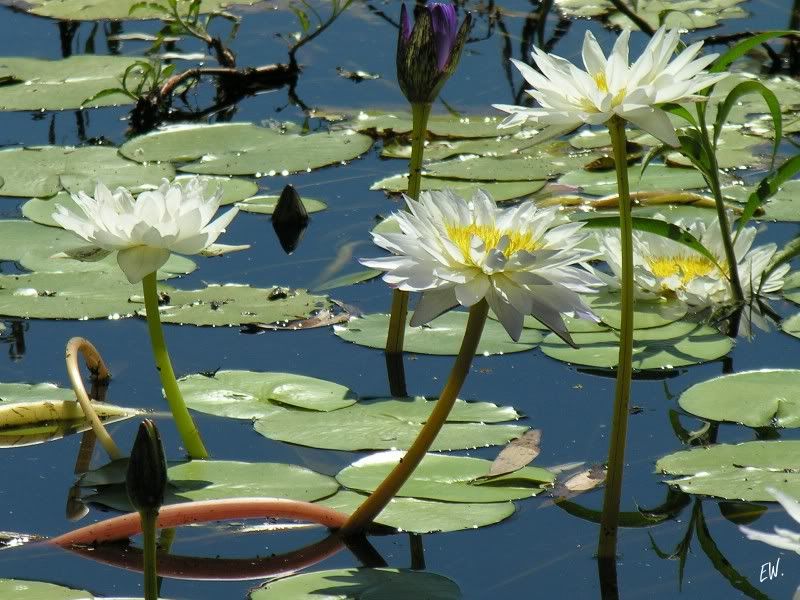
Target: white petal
{"points": [[432, 304], [139, 261]]}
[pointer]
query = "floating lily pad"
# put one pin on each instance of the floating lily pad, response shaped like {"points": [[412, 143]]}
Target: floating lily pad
{"points": [[117, 10], [62, 84], [646, 313], [26, 392], [539, 163], [448, 126], [360, 584], [767, 398], [735, 150], [784, 205], [441, 149], [245, 148], [265, 205], [22, 589], [675, 345], [234, 304], [427, 516], [500, 191], [443, 335], [736, 472], [656, 178], [347, 280], [387, 424], [42, 171], [685, 15], [447, 478], [67, 295], [253, 395], [216, 479]]}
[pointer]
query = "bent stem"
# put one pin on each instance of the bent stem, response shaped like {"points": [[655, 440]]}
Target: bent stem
{"points": [[149, 520], [609, 520], [95, 364], [183, 420], [420, 111], [387, 489]]}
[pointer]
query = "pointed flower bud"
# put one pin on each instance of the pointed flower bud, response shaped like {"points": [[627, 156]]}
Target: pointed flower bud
{"points": [[289, 219], [147, 469], [428, 54]]}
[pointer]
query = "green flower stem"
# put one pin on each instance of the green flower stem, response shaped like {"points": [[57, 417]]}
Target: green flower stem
{"points": [[712, 178], [183, 420], [149, 519], [377, 501], [607, 545], [420, 111]]}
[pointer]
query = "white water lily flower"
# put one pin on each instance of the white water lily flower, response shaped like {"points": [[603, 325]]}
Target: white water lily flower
{"points": [[460, 252], [144, 231], [782, 538], [569, 96], [663, 267]]}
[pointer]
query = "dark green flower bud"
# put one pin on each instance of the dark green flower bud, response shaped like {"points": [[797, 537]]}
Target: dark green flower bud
{"points": [[147, 469], [289, 219], [428, 54]]}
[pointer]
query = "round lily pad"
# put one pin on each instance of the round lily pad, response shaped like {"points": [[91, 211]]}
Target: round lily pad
{"points": [[253, 395], [26, 392], [499, 190], [67, 295], [265, 205], [792, 324], [675, 345], [656, 178], [441, 149], [447, 478], [117, 10], [217, 479], [766, 398], [360, 584], [427, 516], [245, 148], [384, 123], [736, 472], [386, 424], [22, 589], [234, 304], [443, 335], [646, 313], [42, 171], [37, 84]]}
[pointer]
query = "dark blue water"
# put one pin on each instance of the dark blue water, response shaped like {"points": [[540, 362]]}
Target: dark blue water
{"points": [[541, 551]]}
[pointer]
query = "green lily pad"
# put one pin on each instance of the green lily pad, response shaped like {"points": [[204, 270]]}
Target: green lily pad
{"points": [[656, 178], [26, 392], [792, 324], [416, 515], [347, 280], [378, 122], [62, 84], [234, 304], [447, 478], [42, 171], [443, 335], [675, 345], [360, 584], [735, 150], [500, 191], [766, 398], [736, 472], [685, 15], [646, 313], [22, 589], [442, 149], [117, 10], [67, 295], [245, 149], [216, 480], [784, 205], [253, 395], [265, 205], [538, 163], [387, 424]]}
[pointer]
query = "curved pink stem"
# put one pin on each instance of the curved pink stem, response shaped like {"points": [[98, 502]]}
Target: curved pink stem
{"points": [[213, 569], [174, 515]]}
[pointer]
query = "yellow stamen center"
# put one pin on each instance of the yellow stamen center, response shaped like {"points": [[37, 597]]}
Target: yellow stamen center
{"points": [[490, 236], [600, 80], [687, 268]]}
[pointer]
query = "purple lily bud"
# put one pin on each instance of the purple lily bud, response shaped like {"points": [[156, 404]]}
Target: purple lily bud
{"points": [[428, 53], [445, 27]]}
